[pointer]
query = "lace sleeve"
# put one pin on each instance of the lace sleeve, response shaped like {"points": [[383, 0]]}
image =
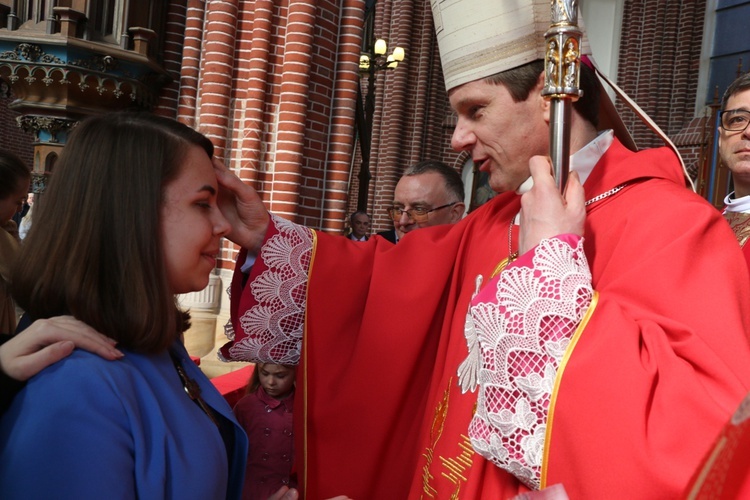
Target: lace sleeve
{"points": [[523, 321], [270, 310]]}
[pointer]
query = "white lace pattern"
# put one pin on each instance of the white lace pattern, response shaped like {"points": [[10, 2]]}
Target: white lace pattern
{"points": [[524, 329], [275, 325]]}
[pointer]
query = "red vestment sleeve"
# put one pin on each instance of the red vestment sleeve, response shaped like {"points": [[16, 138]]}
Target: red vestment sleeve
{"points": [[664, 357]]}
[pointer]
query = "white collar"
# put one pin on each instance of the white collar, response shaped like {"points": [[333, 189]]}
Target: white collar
{"points": [[584, 160], [737, 204]]}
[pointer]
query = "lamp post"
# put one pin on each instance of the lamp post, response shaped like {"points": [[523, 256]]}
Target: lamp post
{"points": [[371, 62]]}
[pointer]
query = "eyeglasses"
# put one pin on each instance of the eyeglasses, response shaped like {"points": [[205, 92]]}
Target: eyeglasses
{"points": [[418, 214], [735, 120]]}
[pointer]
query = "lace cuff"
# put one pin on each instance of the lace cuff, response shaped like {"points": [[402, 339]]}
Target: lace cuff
{"points": [[520, 325], [270, 316]]}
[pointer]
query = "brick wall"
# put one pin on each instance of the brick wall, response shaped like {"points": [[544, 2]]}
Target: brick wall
{"points": [[659, 62], [12, 138], [173, 40], [694, 141]]}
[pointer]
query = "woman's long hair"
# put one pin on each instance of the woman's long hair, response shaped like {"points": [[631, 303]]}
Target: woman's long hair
{"points": [[95, 250]]}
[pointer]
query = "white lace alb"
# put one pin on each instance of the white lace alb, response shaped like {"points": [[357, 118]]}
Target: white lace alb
{"points": [[523, 321], [275, 325]]}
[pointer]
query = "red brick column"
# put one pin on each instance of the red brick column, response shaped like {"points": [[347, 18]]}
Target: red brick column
{"points": [[660, 51], [411, 104], [174, 37], [255, 73], [218, 69], [295, 75], [340, 142], [397, 98], [191, 62]]}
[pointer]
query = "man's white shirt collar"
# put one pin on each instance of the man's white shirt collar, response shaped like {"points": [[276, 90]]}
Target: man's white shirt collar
{"points": [[582, 161], [585, 159], [733, 204]]}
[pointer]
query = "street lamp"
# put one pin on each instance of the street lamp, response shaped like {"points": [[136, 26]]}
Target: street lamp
{"points": [[371, 62], [375, 60]]}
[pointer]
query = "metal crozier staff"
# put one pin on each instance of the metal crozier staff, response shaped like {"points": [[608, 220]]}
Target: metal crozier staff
{"points": [[562, 60]]}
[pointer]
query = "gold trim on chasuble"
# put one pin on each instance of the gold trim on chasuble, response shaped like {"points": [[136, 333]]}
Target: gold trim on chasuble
{"points": [[454, 467], [304, 363], [740, 224], [712, 478], [700, 489], [558, 380]]}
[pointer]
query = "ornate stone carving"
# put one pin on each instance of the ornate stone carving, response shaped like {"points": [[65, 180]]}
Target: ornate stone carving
{"points": [[98, 63], [30, 52], [92, 80], [39, 182], [49, 124]]}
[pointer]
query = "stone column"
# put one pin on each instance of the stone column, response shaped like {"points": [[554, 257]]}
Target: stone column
{"points": [[203, 306]]}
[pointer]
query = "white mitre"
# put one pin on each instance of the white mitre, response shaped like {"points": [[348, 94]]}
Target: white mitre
{"points": [[479, 38]]}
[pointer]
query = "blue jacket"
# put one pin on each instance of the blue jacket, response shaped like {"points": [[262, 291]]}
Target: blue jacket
{"points": [[91, 428]]}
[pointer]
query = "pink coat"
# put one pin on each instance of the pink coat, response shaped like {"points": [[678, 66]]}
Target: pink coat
{"points": [[268, 424]]}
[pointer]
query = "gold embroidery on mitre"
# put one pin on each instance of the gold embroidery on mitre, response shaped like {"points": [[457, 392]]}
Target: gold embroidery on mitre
{"points": [[740, 224], [454, 467]]}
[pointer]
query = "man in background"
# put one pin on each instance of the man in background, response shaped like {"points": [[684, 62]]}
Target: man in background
{"points": [[734, 149], [359, 222], [429, 193]]}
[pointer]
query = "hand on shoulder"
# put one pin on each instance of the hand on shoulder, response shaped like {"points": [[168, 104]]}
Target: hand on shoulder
{"points": [[47, 341]]}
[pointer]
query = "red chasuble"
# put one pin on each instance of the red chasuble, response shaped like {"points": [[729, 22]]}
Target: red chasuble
{"points": [[645, 385]]}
